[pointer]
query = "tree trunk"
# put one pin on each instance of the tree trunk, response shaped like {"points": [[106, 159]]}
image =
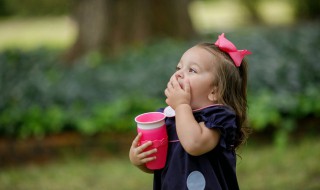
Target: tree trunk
{"points": [[109, 25], [251, 6], [307, 10]]}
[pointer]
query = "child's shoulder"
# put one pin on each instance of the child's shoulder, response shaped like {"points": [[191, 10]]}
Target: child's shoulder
{"points": [[215, 109], [216, 115]]}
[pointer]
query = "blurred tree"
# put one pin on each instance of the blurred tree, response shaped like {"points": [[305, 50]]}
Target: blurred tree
{"points": [[3, 9], [109, 25], [304, 9], [252, 7], [31, 8], [307, 9]]}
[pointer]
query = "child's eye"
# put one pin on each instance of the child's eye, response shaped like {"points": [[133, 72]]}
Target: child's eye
{"points": [[191, 70], [178, 68]]}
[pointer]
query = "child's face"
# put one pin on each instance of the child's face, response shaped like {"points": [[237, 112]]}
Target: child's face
{"points": [[197, 67]]}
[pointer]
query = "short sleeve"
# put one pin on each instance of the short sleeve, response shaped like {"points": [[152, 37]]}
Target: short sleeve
{"points": [[160, 110], [223, 119]]}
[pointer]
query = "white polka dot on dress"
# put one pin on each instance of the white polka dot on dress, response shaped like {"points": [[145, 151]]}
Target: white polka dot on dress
{"points": [[196, 181]]}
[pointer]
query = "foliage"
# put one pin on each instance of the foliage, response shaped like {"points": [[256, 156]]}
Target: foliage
{"points": [[40, 95], [34, 7], [284, 78]]}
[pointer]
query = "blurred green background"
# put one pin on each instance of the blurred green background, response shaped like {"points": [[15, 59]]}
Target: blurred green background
{"points": [[74, 74]]}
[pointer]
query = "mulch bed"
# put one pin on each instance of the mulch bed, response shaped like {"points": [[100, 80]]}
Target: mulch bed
{"points": [[43, 150]]}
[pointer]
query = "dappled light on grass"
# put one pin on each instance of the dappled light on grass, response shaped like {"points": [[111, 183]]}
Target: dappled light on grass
{"points": [[77, 173], [265, 167], [262, 167]]}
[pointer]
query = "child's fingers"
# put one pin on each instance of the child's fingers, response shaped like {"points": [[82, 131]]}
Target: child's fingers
{"points": [[170, 84], [168, 91], [147, 153], [173, 77], [136, 140], [148, 159], [187, 86], [175, 83], [144, 146]]}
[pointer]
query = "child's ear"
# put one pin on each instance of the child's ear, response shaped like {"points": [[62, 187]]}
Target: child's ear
{"points": [[213, 96]]}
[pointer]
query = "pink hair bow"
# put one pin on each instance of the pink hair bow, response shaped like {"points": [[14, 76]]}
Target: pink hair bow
{"points": [[236, 55]]}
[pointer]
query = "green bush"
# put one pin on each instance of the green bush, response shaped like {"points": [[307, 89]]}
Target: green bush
{"points": [[284, 75], [40, 95]]}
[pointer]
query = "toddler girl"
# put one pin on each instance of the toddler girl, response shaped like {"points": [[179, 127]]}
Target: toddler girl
{"points": [[208, 94]]}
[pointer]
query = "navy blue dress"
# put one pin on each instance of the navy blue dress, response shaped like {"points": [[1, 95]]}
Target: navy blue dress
{"points": [[215, 169]]}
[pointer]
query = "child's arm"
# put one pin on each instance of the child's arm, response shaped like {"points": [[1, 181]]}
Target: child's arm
{"points": [[195, 137], [137, 155]]}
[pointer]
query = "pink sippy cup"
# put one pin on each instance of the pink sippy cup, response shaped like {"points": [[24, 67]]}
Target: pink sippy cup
{"points": [[153, 128]]}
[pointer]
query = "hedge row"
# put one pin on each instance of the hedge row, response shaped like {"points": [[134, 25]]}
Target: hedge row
{"points": [[40, 95]]}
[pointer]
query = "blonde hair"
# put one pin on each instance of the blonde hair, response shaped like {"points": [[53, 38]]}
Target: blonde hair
{"points": [[231, 82]]}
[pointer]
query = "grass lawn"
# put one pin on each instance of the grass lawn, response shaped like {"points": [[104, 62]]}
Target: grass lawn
{"points": [[261, 168]]}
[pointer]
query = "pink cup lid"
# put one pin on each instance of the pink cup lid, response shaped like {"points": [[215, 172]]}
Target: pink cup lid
{"points": [[150, 120]]}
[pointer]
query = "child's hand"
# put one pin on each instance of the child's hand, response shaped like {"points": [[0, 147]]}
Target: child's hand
{"points": [[136, 154], [177, 93]]}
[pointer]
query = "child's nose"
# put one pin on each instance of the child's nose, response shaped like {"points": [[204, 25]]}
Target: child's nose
{"points": [[179, 74]]}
